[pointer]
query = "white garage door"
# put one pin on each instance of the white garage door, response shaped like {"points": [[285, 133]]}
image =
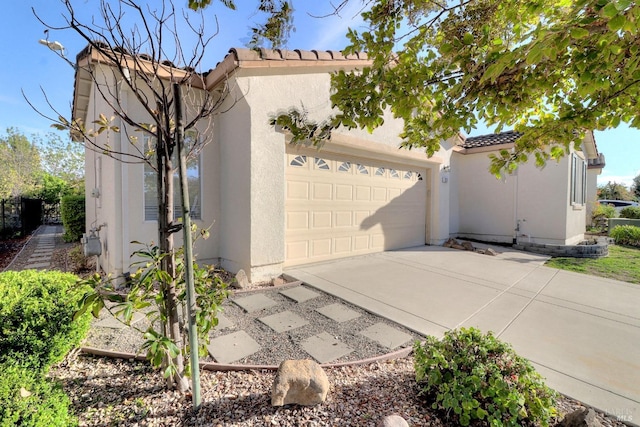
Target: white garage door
{"points": [[338, 207]]}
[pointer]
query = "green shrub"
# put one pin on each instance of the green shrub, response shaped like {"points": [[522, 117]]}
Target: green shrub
{"points": [[626, 235], [73, 217], [472, 376], [36, 317], [28, 399], [603, 211], [631, 212]]}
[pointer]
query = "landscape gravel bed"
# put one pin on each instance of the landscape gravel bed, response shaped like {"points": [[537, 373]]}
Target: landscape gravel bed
{"points": [[275, 347], [110, 392], [114, 392]]}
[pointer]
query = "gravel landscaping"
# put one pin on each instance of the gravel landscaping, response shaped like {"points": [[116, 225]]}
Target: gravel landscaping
{"points": [[114, 392]]}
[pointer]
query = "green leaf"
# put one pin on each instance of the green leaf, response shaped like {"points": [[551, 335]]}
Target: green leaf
{"points": [[493, 71], [468, 38], [535, 54], [578, 33], [616, 23], [610, 10]]}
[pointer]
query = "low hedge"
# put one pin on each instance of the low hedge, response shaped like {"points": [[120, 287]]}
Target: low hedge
{"points": [[626, 235], [630, 212], [72, 212], [36, 317], [28, 399]]}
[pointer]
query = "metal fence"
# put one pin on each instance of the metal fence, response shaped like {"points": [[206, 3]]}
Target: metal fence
{"points": [[20, 216]]}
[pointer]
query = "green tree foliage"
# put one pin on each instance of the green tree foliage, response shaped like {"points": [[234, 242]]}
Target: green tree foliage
{"points": [[43, 167], [51, 189], [614, 191], [62, 159], [20, 164], [635, 187], [551, 69]]}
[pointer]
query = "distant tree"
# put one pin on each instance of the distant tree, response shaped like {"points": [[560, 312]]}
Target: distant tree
{"points": [[62, 158], [635, 187], [51, 188], [20, 162], [614, 191]]}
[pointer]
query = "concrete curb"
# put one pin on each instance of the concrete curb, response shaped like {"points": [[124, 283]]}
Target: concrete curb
{"points": [[212, 366]]}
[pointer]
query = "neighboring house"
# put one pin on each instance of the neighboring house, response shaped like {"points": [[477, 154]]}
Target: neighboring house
{"points": [[274, 205]]}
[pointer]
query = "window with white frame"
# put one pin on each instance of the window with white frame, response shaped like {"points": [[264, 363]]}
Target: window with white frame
{"points": [[578, 180], [193, 179]]}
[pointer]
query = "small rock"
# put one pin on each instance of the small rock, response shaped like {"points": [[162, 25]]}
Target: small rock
{"points": [[302, 382], [490, 251], [242, 281], [450, 242], [278, 281], [581, 418], [393, 421], [468, 246]]}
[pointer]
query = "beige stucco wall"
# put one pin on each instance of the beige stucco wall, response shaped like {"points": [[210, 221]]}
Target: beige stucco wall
{"points": [[243, 174], [254, 165], [489, 209], [122, 218]]}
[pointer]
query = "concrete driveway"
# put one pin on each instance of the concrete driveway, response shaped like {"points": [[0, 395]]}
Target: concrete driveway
{"points": [[581, 332]]}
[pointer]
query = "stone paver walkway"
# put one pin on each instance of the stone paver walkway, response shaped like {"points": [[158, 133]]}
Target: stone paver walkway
{"points": [[38, 252], [323, 347]]}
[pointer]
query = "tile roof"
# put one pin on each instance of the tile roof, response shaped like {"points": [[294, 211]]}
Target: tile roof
{"points": [[492, 139]]}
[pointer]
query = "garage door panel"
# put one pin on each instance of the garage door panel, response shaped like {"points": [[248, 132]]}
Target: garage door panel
{"points": [[379, 194], [322, 219], [297, 251], [297, 220], [322, 191], [343, 219], [338, 207], [321, 247], [344, 192], [361, 243], [342, 244], [363, 193], [297, 190]]}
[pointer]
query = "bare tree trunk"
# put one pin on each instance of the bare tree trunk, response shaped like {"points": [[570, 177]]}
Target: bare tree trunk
{"points": [[171, 328]]}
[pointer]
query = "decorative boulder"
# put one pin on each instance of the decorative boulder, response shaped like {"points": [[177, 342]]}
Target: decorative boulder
{"points": [[393, 421], [242, 281], [302, 382], [581, 418]]}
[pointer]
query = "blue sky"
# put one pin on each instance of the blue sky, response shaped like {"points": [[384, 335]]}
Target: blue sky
{"points": [[29, 66]]}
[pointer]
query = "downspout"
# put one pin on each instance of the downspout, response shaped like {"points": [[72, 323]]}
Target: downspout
{"points": [[117, 231], [516, 223]]}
